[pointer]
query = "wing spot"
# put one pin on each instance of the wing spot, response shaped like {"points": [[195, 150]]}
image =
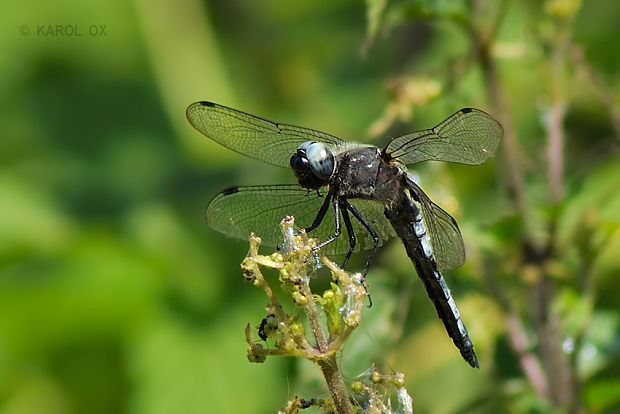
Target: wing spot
{"points": [[231, 190]]}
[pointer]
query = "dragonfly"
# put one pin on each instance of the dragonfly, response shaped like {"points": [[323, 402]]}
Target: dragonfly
{"points": [[368, 190]]}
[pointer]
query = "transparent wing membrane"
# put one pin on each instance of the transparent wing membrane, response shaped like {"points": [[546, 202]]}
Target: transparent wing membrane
{"points": [[259, 138], [469, 136], [239, 210], [443, 231]]}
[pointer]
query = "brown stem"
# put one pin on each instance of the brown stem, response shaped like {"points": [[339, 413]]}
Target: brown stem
{"points": [[529, 363], [519, 342], [327, 361], [589, 297], [555, 153], [555, 116], [555, 361], [510, 146], [560, 372], [331, 372]]}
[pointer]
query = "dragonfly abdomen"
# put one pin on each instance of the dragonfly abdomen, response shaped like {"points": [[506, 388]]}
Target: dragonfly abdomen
{"points": [[408, 223]]}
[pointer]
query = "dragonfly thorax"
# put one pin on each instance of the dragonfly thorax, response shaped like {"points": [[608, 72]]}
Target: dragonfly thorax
{"points": [[313, 164]]}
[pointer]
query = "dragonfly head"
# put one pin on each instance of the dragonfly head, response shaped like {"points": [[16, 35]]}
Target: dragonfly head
{"points": [[314, 164]]}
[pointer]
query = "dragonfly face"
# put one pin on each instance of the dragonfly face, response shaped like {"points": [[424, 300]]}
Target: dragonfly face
{"points": [[313, 163], [367, 189]]}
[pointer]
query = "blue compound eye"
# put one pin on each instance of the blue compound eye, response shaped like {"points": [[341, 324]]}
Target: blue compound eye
{"points": [[321, 160]]}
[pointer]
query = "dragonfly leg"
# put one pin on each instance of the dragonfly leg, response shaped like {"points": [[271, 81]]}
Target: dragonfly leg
{"points": [[320, 215], [373, 234], [351, 233], [338, 227], [352, 242]]}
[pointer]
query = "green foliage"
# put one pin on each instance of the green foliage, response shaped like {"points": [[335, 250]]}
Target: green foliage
{"points": [[116, 297], [340, 307]]}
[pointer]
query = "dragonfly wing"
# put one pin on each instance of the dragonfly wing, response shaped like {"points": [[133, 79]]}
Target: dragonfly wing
{"points": [[470, 136], [240, 210], [256, 137], [444, 233], [373, 214]]}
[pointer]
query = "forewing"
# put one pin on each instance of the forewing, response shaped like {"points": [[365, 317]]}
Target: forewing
{"points": [[240, 210], [259, 138], [470, 136], [444, 233]]}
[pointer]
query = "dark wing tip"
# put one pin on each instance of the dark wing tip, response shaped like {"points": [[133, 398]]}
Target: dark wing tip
{"points": [[199, 103], [189, 110], [467, 110], [229, 191], [191, 116], [202, 103]]}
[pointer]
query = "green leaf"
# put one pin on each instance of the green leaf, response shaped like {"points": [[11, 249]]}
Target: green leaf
{"points": [[374, 13], [602, 394]]}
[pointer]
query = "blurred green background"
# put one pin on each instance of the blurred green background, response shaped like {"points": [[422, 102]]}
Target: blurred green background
{"points": [[116, 297]]}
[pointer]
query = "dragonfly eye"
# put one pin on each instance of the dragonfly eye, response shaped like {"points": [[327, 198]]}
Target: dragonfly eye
{"points": [[321, 160], [299, 161], [313, 164]]}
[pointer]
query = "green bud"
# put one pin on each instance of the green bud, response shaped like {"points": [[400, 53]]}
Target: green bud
{"points": [[357, 386], [297, 329], [376, 377], [277, 257], [284, 274], [299, 299], [399, 379], [287, 345]]}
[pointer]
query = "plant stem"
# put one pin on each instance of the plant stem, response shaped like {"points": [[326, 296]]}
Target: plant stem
{"points": [[331, 372], [327, 361], [517, 335]]}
